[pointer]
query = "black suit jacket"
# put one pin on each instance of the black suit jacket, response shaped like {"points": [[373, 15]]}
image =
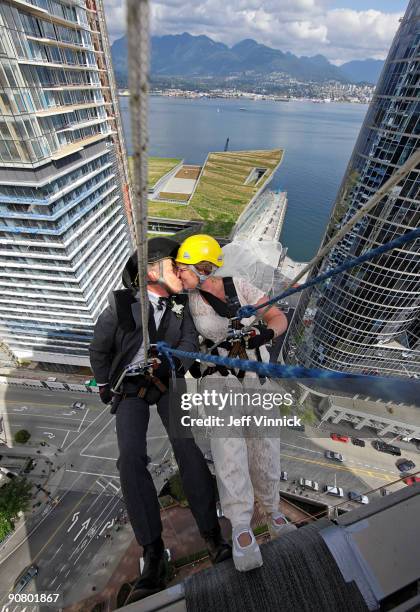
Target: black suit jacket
{"points": [[113, 347]]}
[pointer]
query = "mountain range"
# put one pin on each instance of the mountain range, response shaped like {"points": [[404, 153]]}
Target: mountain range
{"points": [[184, 55]]}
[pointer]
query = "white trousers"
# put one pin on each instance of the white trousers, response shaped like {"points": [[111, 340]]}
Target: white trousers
{"points": [[247, 469]]}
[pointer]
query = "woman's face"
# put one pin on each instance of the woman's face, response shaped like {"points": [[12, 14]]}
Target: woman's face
{"points": [[188, 277]]}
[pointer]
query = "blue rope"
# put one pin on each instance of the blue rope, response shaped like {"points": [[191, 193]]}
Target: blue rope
{"points": [[271, 370], [275, 370], [248, 311]]}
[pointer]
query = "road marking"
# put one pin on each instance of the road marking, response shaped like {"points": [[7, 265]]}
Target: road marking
{"points": [[56, 552], [106, 526], [91, 540], [45, 416], [85, 526], [74, 520], [335, 467], [97, 435], [308, 450], [91, 423], [49, 434], [82, 421], [65, 438], [55, 578], [93, 473], [83, 543], [54, 428], [98, 457]]}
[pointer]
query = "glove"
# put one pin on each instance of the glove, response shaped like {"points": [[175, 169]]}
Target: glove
{"points": [[105, 393], [195, 370], [265, 335]]}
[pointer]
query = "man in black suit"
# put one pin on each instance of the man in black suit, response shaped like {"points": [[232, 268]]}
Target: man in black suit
{"points": [[117, 342]]}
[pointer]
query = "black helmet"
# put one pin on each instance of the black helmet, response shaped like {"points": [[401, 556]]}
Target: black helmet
{"points": [[157, 249]]}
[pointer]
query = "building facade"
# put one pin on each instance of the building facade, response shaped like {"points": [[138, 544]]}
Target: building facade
{"points": [[65, 213], [367, 320]]}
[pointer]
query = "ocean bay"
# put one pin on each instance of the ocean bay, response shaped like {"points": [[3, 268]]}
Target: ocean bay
{"points": [[317, 139]]}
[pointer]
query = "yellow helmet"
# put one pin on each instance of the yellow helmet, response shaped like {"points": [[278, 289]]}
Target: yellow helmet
{"points": [[200, 248]]}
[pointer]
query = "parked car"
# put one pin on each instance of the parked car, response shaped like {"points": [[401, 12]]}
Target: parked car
{"points": [[358, 497], [24, 578], [309, 484], [283, 475], [339, 438], [219, 510], [411, 480], [384, 447], [78, 406], [334, 456], [337, 491], [406, 465], [358, 442]]}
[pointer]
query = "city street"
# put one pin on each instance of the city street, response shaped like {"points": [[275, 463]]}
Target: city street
{"points": [[72, 531], [70, 540]]}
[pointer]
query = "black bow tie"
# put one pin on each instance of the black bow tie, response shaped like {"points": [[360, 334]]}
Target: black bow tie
{"points": [[162, 303]]}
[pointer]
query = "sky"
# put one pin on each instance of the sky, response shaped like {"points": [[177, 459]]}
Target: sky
{"points": [[342, 30]]}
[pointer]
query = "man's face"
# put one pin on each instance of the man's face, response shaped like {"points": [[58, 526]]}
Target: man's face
{"points": [[167, 270]]}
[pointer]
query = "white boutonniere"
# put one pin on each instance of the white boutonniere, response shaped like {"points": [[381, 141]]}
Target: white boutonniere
{"points": [[177, 309]]}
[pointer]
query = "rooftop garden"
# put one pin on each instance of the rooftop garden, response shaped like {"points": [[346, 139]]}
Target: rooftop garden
{"points": [[157, 167], [222, 194]]}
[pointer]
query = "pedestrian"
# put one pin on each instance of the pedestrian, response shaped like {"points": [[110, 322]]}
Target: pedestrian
{"points": [[117, 342]]}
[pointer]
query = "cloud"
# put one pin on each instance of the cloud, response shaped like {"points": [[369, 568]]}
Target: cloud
{"points": [[304, 27]]}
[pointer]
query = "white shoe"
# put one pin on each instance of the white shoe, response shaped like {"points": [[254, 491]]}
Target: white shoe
{"points": [[247, 557], [276, 529]]}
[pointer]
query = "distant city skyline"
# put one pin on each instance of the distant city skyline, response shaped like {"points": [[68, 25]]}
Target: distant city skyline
{"points": [[342, 30]]}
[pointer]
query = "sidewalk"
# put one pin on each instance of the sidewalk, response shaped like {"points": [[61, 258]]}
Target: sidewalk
{"points": [[46, 478]]}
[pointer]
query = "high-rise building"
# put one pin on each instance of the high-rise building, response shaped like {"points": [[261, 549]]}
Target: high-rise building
{"points": [[65, 214], [367, 320]]}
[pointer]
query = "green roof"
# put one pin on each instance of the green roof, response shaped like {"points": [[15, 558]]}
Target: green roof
{"points": [[221, 194], [157, 167]]}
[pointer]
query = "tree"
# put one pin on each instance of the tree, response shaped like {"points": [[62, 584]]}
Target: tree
{"points": [[22, 436], [14, 498]]}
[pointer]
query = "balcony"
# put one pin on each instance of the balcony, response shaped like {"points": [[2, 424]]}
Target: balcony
{"points": [[62, 66], [61, 110], [63, 228], [79, 145], [59, 43], [39, 12], [83, 124], [62, 210]]}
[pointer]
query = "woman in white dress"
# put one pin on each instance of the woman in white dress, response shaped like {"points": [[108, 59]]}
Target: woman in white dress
{"points": [[246, 468]]}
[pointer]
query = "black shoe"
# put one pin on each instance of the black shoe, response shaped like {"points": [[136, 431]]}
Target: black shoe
{"points": [[153, 576], [219, 550]]}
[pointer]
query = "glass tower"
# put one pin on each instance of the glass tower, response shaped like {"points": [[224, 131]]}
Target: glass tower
{"points": [[65, 211], [367, 320]]}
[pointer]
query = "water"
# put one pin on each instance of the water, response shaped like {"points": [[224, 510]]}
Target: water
{"points": [[317, 138]]}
